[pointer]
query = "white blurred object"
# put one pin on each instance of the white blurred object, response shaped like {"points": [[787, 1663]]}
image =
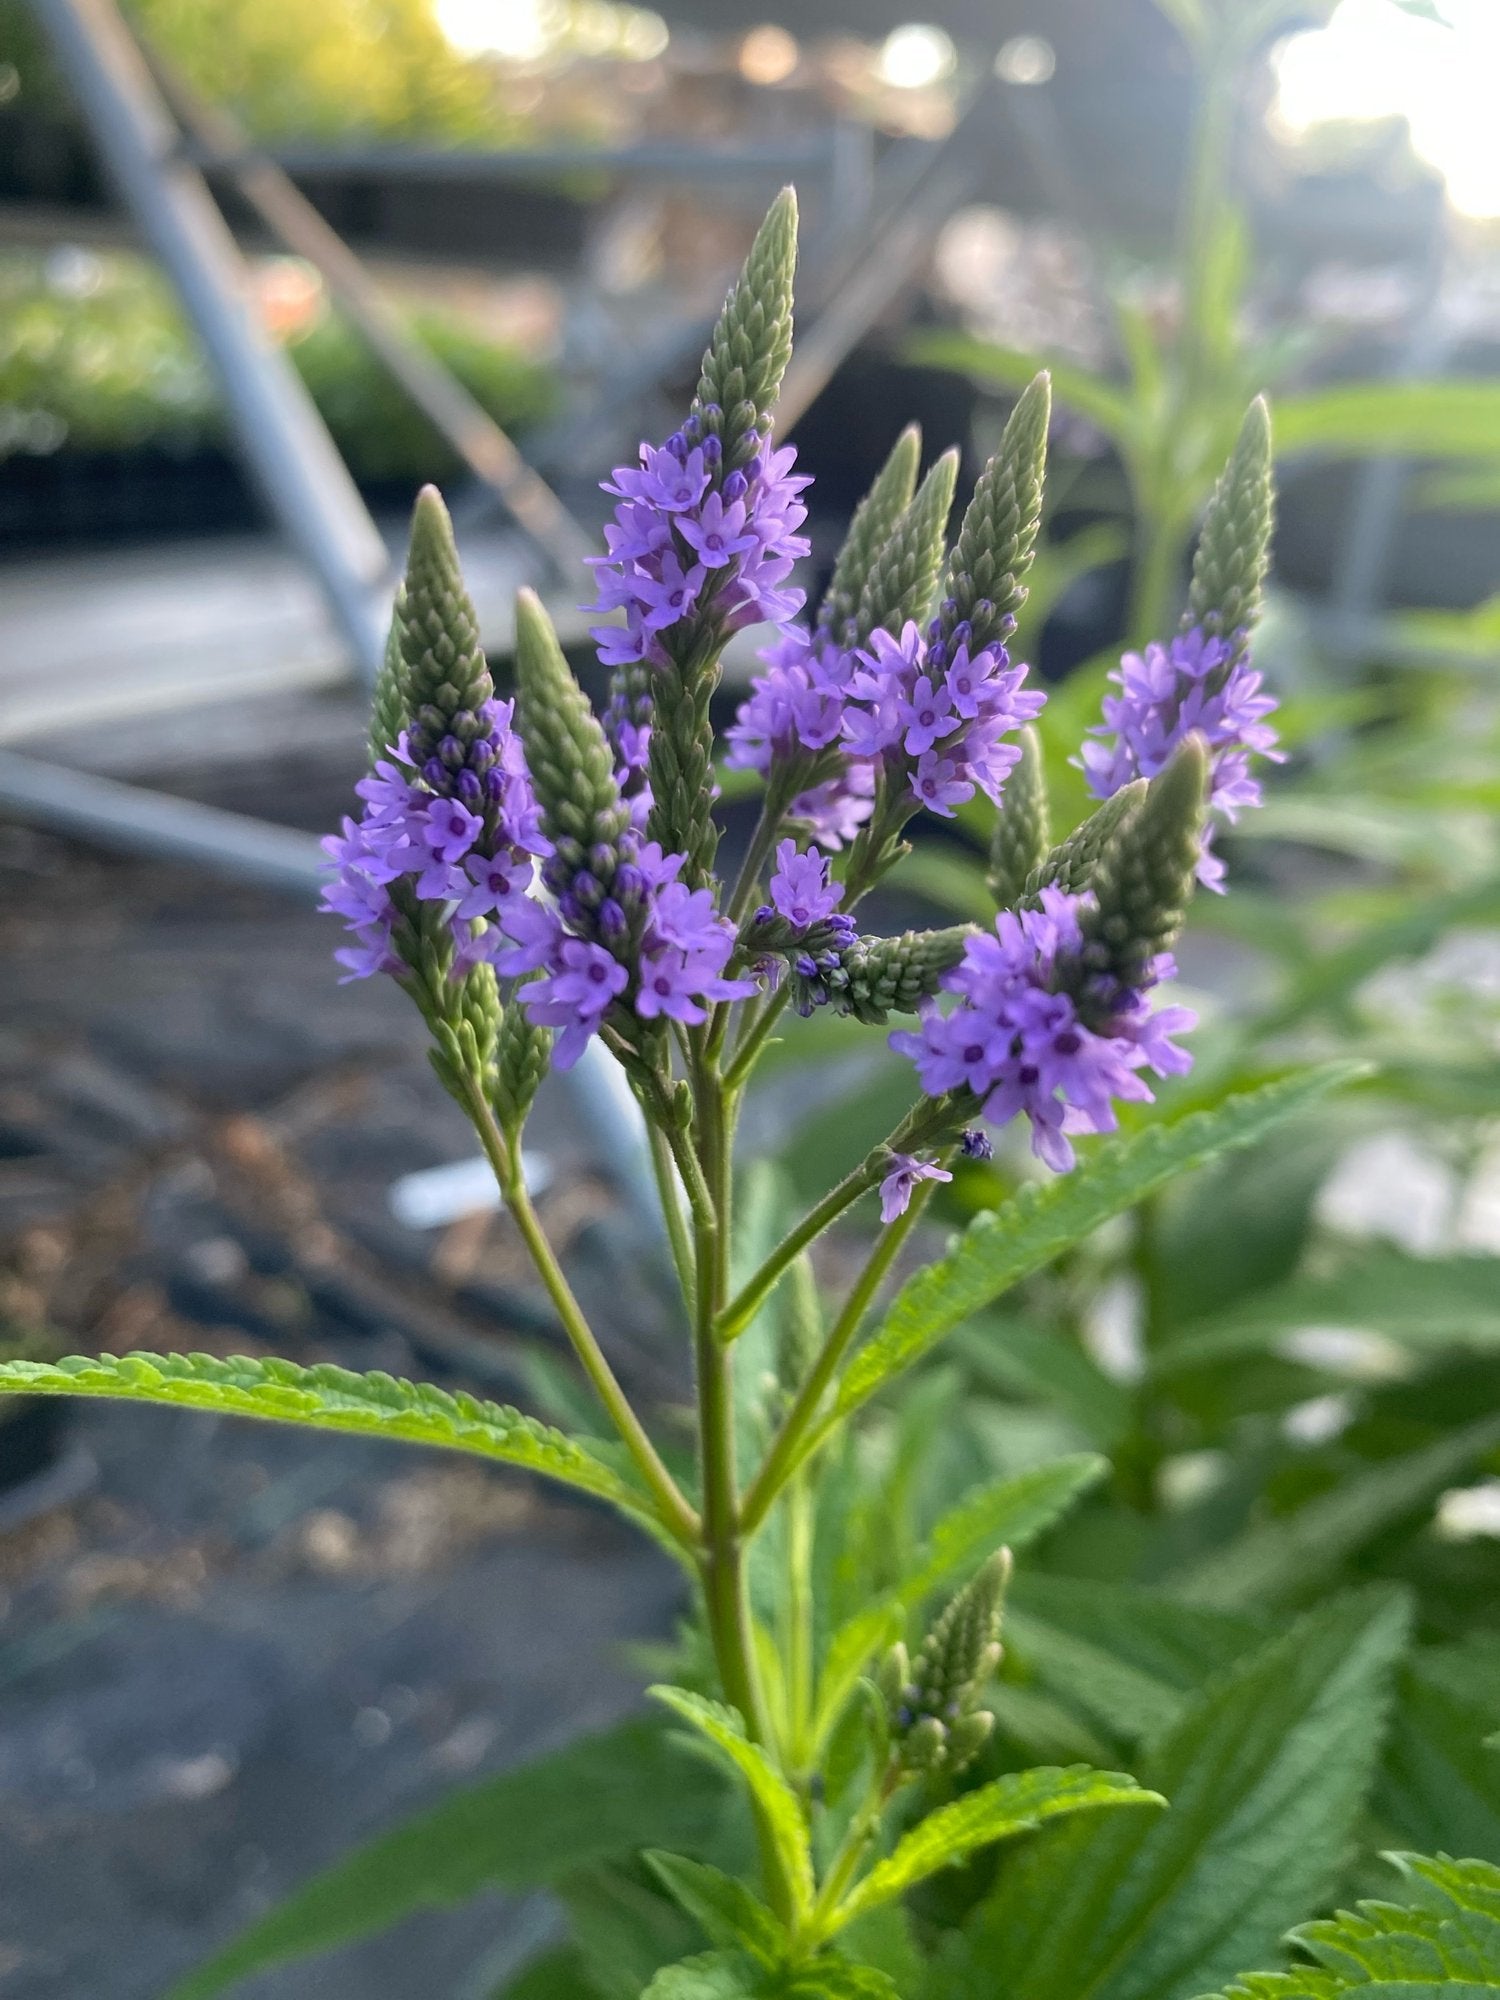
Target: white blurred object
{"points": [[1467, 1512], [437, 1196], [1390, 1186]]}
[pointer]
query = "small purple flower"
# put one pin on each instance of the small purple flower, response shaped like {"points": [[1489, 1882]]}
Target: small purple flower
{"points": [[801, 890], [906, 1169], [450, 829], [1171, 692], [1016, 1041], [939, 785]]}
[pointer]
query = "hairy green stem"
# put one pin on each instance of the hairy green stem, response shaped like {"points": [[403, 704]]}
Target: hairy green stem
{"points": [[676, 1515], [789, 1446]]}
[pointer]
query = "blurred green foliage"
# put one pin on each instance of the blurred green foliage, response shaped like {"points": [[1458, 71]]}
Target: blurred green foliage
{"points": [[95, 356]]}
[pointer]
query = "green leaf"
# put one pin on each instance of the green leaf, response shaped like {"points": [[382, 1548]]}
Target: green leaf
{"points": [[1016, 1803], [556, 1975], [1293, 1555], [1105, 406], [1456, 418], [724, 1975], [712, 1975], [775, 1797], [605, 1795], [330, 1398], [1445, 1945], [730, 1914], [1426, 1305], [1130, 1658], [1266, 1772], [1026, 1233], [1010, 1511], [1438, 1788], [1037, 1364]]}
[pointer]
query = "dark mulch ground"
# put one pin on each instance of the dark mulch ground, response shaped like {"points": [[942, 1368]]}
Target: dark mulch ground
{"points": [[242, 1649]]}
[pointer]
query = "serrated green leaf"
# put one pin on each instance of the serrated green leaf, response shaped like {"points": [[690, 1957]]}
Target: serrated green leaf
{"points": [[1266, 1770], [604, 1796], [1009, 1511], [1026, 1233], [1443, 1945], [329, 1398], [775, 1797], [712, 1975], [1292, 1556], [1017, 1803], [730, 1914], [1130, 1658], [1424, 1304], [834, 1978]]}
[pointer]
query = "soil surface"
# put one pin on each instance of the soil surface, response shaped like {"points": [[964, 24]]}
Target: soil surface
{"points": [[231, 1651]]}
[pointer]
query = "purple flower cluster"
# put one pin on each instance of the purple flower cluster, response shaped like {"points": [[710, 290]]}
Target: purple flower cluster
{"points": [[939, 712], [802, 924], [900, 1182], [627, 930], [796, 709], [1170, 692], [689, 541], [463, 830], [1018, 1041]]}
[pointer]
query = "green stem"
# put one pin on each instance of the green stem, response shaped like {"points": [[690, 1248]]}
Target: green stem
{"points": [[722, 1549], [789, 1446], [799, 1630], [747, 1301], [753, 1040], [664, 1168], [677, 1516]]}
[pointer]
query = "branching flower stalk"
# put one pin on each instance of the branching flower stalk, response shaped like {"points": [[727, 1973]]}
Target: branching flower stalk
{"points": [[537, 877]]}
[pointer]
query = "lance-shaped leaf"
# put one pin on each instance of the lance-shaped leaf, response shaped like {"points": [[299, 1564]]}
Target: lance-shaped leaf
{"points": [[1291, 1556], [329, 1398], [1440, 1787], [604, 1796], [1043, 1220], [1267, 1772], [731, 1915], [1442, 1942], [777, 1801], [1017, 1803]]}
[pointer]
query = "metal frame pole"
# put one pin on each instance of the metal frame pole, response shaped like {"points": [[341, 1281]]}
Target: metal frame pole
{"points": [[468, 427], [279, 432]]}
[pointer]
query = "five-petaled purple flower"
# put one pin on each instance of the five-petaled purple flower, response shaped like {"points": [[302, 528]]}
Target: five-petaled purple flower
{"points": [[896, 1190], [801, 890], [1018, 1042], [1199, 685]]}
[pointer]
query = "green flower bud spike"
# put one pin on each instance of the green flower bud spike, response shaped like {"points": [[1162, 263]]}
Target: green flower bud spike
{"points": [[1072, 863], [894, 975], [1234, 547], [933, 1701], [904, 575], [522, 1054], [567, 752], [998, 537], [446, 677], [1144, 881], [1022, 838], [874, 521], [389, 713], [751, 342]]}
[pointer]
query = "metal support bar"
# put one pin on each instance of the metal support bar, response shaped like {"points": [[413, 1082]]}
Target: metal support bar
{"points": [[279, 432], [459, 417]]}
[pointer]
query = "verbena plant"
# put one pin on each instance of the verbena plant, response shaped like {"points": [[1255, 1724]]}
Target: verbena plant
{"points": [[536, 879]]}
